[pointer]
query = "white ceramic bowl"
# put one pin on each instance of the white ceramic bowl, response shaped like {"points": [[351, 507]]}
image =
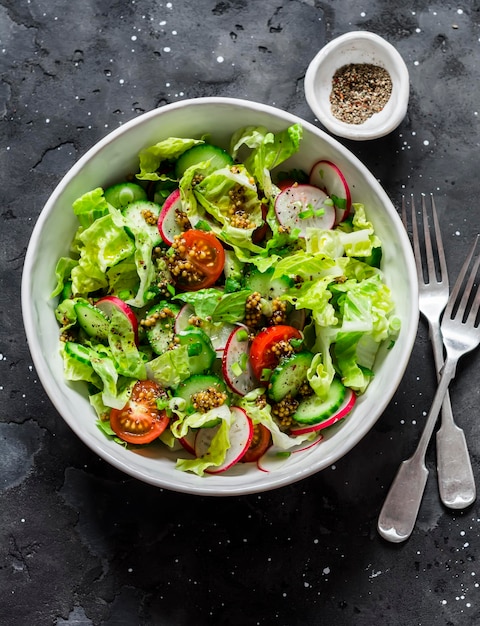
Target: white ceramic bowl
{"points": [[357, 47], [114, 157]]}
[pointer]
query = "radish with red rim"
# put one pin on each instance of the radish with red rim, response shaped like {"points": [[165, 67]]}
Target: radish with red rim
{"points": [[240, 435], [188, 441], [328, 177], [108, 304], [340, 413], [236, 367], [168, 225], [304, 206]]}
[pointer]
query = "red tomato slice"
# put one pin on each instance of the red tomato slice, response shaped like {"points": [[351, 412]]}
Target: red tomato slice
{"points": [[261, 354], [260, 443], [140, 421], [207, 256]]}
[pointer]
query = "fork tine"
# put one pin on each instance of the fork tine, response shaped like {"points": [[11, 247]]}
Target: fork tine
{"points": [[438, 239], [467, 290]]}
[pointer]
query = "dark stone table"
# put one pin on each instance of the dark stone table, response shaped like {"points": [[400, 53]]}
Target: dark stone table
{"points": [[82, 543]]}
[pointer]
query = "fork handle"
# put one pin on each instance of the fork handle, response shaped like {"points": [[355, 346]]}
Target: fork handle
{"points": [[456, 483], [400, 509], [399, 512]]}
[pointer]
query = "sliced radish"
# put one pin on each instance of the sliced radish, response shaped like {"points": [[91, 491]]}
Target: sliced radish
{"points": [[240, 434], [344, 409], [182, 321], [168, 225], [276, 457], [302, 207], [328, 177], [236, 368], [188, 442], [110, 303]]}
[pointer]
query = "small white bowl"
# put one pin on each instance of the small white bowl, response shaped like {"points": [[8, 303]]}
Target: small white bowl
{"points": [[357, 47], [111, 160]]}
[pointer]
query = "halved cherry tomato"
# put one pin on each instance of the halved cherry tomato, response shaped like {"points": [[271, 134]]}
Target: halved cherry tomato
{"points": [[205, 254], [140, 421], [261, 441], [261, 354]]}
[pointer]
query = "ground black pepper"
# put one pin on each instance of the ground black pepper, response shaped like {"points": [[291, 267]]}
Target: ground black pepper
{"points": [[358, 91]]}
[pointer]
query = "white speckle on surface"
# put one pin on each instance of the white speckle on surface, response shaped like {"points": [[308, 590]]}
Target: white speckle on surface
{"points": [[167, 49], [220, 59], [326, 571], [133, 38], [426, 142]]}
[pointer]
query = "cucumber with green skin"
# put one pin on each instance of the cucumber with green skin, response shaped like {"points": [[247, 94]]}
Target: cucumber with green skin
{"points": [[289, 375], [142, 216], [313, 409], [160, 335], [201, 353], [95, 323], [195, 384], [121, 194], [78, 352], [200, 153]]}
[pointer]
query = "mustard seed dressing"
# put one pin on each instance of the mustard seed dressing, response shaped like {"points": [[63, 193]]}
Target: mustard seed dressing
{"points": [[359, 90]]}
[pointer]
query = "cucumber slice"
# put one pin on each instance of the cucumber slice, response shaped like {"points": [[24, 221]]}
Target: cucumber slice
{"points": [[121, 194], [196, 384], [263, 283], [161, 334], [203, 152], [78, 352], [142, 216], [201, 353], [93, 321], [289, 375], [313, 409]]}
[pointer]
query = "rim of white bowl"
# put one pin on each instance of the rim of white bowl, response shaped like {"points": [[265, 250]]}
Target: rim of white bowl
{"points": [[187, 483], [357, 47]]}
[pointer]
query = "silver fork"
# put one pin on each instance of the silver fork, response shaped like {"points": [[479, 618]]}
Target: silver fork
{"points": [[454, 469], [461, 334]]}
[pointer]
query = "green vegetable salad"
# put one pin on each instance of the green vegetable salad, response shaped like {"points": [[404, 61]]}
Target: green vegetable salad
{"points": [[221, 306]]}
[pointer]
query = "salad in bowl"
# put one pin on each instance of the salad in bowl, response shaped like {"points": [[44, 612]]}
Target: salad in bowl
{"points": [[225, 307]]}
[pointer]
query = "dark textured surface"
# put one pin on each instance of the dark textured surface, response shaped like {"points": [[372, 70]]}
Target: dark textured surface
{"points": [[82, 543]]}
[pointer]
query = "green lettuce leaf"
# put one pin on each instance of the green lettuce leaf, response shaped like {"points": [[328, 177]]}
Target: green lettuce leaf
{"points": [[63, 271], [91, 206], [121, 339], [213, 305], [166, 150], [170, 368], [268, 150]]}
